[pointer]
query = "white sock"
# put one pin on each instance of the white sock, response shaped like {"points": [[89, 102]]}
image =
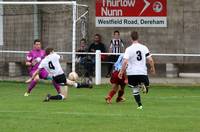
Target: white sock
{"points": [[75, 85]]}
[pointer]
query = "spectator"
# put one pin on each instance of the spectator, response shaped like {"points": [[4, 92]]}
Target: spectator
{"points": [[83, 48], [96, 45], [83, 59], [116, 46]]}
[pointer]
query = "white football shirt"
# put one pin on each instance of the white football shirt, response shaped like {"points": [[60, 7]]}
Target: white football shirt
{"points": [[52, 65], [136, 55]]}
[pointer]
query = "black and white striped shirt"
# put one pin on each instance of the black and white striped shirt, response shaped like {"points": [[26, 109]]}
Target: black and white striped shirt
{"points": [[116, 45]]}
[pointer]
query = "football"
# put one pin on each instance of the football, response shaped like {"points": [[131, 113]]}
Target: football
{"points": [[73, 76]]}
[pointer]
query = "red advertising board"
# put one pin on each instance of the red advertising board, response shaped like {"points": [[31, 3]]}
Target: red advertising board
{"points": [[131, 13]]}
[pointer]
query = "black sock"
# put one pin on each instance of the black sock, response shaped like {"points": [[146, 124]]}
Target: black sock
{"points": [[86, 74], [120, 93], [83, 85], [57, 97], [138, 100]]}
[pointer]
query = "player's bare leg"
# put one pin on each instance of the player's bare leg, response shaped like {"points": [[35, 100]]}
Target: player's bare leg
{"points": [[120, 97], [71, 83], [143, 88], [28, 80], [111, 93], [56, 86], [136, 94], [64, 91]]}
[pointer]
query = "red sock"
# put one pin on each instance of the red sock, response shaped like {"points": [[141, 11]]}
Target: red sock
{"points": [[111, 93]]}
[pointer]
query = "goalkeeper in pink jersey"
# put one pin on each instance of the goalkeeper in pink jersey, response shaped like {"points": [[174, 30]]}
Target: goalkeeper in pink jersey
{"points": [[33, 60]]}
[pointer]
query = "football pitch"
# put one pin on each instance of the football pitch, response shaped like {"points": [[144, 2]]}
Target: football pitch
{"points": [[166, 109]]}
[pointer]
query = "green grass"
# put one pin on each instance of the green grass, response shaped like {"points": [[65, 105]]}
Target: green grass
{"points": [[166, 109]]}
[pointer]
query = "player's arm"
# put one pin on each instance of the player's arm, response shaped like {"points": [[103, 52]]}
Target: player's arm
{"points": [[32, 62], [122, 46], [41, 65], [28, 63], [150, 61], [124, 65], [60, 57], [110, 50], [33, 76], [91, 48], [111, 46], [122, 49], [28, 59]]}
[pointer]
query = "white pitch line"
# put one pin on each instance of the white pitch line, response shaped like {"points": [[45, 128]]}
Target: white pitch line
{"points": [[173, 97], [66, 113], [109, 114], [88, 114], [146, 96]]}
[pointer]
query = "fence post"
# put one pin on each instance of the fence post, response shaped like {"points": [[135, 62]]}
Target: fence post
{"points": [[98, 67], [1, 24]]}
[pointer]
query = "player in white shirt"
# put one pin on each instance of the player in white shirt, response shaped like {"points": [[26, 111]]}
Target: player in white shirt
{"points": [[52, 65], [134, 63]]}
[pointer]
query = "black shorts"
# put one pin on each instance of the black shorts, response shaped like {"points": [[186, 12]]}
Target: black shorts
{"points": [[60, 79], [135, 80]]}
